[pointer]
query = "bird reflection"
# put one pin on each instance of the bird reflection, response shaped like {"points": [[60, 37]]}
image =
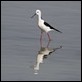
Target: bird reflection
{"points": [[43, 53]]}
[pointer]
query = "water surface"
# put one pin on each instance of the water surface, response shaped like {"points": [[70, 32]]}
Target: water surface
{"points": [[20, 41]]}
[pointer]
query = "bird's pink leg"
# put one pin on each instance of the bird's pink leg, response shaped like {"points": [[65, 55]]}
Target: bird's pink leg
{"points": [[49, 37], [41, 38], [48, 43]]}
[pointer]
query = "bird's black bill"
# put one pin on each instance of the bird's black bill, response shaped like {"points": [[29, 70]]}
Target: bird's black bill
{"points": [[33, 15]]}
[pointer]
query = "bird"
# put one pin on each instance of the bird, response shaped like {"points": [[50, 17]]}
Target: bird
{"points": [[44, 26]]}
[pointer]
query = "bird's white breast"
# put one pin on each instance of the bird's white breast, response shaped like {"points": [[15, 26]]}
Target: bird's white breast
{"points": [[40, 23], [43, 27]]}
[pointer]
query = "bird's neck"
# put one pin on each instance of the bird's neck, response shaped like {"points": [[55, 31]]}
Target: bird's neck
{"points": [[39, 17]]}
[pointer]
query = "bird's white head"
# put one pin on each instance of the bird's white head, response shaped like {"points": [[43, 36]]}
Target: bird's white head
{"points": [[38, 12]]}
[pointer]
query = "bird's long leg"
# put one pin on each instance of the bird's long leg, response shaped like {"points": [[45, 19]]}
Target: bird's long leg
{"points": [[49, 37], [48, 43], [41, 38]]}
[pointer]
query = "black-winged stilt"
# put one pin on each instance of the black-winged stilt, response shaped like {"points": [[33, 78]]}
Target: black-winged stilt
{"points": [[44, 26]]}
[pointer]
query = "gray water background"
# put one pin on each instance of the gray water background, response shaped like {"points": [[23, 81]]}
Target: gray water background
{"points": [[20, 40]]}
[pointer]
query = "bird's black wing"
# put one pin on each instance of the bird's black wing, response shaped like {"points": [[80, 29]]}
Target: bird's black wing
{"points": [[51, 27]]}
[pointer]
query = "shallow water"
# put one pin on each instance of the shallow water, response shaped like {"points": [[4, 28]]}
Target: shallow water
{"points": [[20, 42]]}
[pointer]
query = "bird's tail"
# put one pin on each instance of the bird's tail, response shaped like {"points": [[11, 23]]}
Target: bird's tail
{"points": [[57, 30]]}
